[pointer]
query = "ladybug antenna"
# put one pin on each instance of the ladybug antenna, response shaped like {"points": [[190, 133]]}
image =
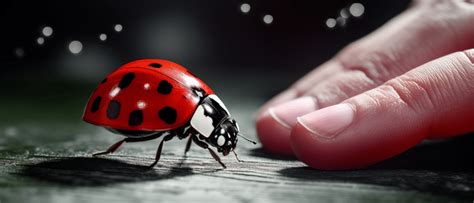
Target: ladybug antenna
{"points": [[248, 139]]}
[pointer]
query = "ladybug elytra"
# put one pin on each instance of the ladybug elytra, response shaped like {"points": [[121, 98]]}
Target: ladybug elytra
{"points": [[150, 98]]}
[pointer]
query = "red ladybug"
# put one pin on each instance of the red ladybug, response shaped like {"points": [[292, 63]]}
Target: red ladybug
{"points": [[149, 98]]}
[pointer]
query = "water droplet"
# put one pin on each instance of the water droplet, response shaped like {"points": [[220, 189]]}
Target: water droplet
{"points": [[118, 28], [356, 9], [268, 19], [245, 8], [40, 40], [331, 22], [103, 37], [47, 31], [19, 52], [75, 47]]}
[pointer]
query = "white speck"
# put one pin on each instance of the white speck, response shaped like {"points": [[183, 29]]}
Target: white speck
{"points": [[141, 104], [220, 140], [341, 21], [103, 37], [356, 9], [19, 52], [75, 47], [344, 13], [118, 28], [114, 92], [268, 19], [222, 131], [245, 8], [40, 40], [331, 22], [47, 31], [208, 108], [11, 131], [146, 86]]}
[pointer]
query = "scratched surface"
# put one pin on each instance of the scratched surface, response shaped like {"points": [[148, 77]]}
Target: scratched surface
{"points": [[45, 156]]}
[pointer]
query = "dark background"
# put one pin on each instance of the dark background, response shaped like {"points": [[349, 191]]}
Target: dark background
{"points": [[210, 37]]}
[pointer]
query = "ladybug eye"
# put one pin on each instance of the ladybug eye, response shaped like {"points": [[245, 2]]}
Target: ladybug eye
{"points": [[221, 140]]}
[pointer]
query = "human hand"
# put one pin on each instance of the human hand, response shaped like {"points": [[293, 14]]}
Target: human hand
{"points": [[410, 80]]}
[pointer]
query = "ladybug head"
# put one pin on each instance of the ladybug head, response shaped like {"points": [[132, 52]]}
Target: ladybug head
{"points": [[224, 137], [212, 121]]}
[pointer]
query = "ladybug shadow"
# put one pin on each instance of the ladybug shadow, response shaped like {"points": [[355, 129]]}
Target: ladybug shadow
{"points": [[439, 167], [260, 152], [83, 171]]}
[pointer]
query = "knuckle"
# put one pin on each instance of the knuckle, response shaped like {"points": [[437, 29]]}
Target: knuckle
{"points": [[377, 65], [470, 55], [408, 91]]}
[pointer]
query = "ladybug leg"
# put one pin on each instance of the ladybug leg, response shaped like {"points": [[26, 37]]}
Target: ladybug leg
{"points": [[112, 148], [237, 157], [160, 147], [216, 157], [206, 146], [188, 133], [188, 145], [117, 145]]}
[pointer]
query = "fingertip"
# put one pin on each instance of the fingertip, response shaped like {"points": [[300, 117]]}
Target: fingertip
{"points": [[316, 151], [274, 137]]}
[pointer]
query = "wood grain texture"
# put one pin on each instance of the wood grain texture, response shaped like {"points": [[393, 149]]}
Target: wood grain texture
{"points": [[49, 160]]}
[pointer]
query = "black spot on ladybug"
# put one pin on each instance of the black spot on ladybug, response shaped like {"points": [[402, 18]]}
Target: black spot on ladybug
{"points": [[155, 65], [135, 118], [113, 110], [164, 87], [103, 81], [126, 80], [96, 104], [168, 115]]}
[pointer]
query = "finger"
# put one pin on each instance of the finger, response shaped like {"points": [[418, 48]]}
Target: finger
{"points": [[368, 63], [433, 99], [387, 52], [301, 86]]}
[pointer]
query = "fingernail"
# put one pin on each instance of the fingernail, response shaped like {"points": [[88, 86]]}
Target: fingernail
{"points": [[328, 122], [286, 113], [283, 97]]}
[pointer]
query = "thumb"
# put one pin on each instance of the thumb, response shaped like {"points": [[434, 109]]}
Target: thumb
{"points": [[434, 99]]}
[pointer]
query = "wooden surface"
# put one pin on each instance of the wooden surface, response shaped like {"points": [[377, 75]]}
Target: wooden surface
{"points": [[45, 156]]}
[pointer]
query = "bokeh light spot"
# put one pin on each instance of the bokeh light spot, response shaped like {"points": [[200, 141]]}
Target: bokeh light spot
{"points": [[357, 9], [103, 37], [118, 28], [344, 13], [40, 40], [341, 21], [268, 19], [245, 8], [47, 31], [75, 47], [19, 52], [331, 22]]}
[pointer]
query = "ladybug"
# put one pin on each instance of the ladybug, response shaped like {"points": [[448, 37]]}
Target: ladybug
{"points": [[150, 98]]}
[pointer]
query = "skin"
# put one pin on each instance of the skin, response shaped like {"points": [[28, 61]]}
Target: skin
{"points": [[410, 80]]}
